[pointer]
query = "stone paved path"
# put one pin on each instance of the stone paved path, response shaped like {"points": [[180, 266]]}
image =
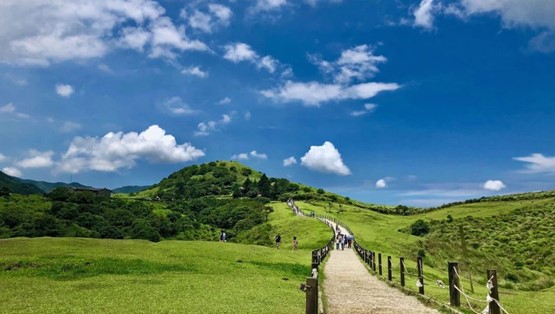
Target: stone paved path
{"points": [[350, 288]]}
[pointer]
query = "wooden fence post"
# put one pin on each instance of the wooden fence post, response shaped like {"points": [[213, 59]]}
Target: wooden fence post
{"points": [[380, 263], [315, 259], [454, 281], [311, 295], [420, 274], [374, 261], [494, 292], [402, 267], [389, 277]]}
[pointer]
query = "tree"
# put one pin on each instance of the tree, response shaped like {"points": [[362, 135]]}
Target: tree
{"points": [[264, 186], [5, 191], [420, 228]]}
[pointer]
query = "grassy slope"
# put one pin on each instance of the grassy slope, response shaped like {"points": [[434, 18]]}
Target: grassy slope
{"points": [[380, 233], [53, 275]]}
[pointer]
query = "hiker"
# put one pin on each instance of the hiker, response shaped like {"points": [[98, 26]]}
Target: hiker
{"points": [[339, 240], [349, 241], [278, 241], [222, 236], [345, 241], [295, 244]]}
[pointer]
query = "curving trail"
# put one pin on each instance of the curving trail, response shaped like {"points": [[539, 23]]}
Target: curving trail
{"points": [[350, 288]]}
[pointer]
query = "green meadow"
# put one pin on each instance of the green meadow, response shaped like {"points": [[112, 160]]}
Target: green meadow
{"points": [[79, 275], [513, 237]]}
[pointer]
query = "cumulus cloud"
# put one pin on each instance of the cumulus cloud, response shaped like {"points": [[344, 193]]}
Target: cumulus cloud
{"points": [[367, 108], [247, 156], [239, 52], [204, 128], [423, 14], [315, 93], [493, 185], [195, 71], [176, 106], [538, 163], [325, 158], [119, 150], [211, 18], [37, 159], [289, 161], [64, 90], [357, 63], [2, 157], [44, 32], [268, 5], [11, 171], [381, 184], [10, 110]]}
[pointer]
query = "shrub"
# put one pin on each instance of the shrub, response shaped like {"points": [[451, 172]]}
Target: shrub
{"points": [[420, 228]]}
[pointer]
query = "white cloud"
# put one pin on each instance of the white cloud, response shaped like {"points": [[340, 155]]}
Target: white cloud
{"points": [[289, 161], [493, 185], [224, 101], [538, 163], [381, 183], [195, 71], [69, 126], [37, 159], [239, 52], [2, 157], [64, 90], [315, 93], [325, 158], [122, 150], [10, 109], [242, 156], [204, 128], [357, 63], [532, 14], [11, 171], [247, 156], [268, 5], [35, 32], [367, 108], [177, 106], [255, 154], [213, 17], [248, 116], [423, 15]]}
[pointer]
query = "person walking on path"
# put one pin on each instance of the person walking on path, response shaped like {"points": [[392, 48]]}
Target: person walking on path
{"points": [[278, 241], [295, 244]]}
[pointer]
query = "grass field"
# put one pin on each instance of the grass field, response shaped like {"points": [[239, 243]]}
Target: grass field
{"points": [[380, 233], [78, 275]]}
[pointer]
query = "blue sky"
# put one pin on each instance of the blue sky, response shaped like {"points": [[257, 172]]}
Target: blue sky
{"points": [[396, 102]]}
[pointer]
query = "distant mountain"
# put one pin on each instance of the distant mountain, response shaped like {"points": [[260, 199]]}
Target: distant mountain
{"points": [[16, 185], [130, 189], [47, 187]]}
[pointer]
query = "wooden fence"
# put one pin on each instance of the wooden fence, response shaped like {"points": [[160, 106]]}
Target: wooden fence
{"points": [[455, 289]]}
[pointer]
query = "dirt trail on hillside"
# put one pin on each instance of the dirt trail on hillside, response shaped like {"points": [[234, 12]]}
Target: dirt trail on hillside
{"points": [[350, 288]]}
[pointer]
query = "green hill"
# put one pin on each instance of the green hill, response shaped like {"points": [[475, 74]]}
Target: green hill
{"points": [[9, 184], [130, 189]]}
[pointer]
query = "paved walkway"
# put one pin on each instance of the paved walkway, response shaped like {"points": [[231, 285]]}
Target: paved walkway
{"points": [[350, 288]]}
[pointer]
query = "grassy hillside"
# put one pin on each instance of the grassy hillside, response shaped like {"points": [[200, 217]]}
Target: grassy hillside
{"points": [[513, 237], [9, 184], [53, 275], [57, 275]]}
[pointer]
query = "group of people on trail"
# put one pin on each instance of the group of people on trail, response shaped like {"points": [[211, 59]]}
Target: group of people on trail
{"points": [[294, 243], [342, 240]]}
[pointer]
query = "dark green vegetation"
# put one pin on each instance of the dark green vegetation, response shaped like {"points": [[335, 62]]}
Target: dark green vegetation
{"points": [[9, 184], [195, 203]]}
